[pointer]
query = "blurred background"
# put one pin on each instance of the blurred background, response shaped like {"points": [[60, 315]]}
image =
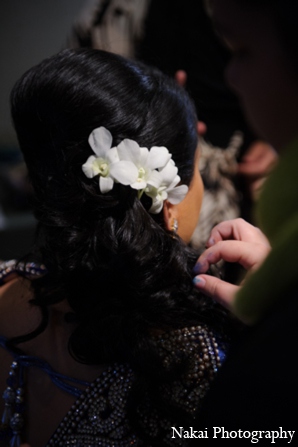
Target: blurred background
{"points": [[30, 30]]}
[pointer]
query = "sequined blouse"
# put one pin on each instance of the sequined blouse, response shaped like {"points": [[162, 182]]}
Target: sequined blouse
{"points": [[99, 415]]}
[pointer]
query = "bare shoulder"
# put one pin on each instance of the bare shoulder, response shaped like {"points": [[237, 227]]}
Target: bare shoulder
{"points": [[17, 315]]}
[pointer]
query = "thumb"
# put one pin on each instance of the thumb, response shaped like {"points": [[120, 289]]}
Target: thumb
{"points": [[221, 291]]}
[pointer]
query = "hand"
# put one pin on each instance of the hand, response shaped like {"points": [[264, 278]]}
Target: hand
{"points": [[181, 78], [258, 160], [233, 241], [256, 164]]}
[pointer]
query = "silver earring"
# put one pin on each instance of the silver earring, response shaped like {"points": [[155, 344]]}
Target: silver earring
{"points": [[175, 226]]}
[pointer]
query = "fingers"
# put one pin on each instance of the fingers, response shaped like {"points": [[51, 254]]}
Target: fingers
{"points": [[223, 292], [201, 128], [247, 254], [258, 160], [181, 77], [231, 241], [237, 229]]}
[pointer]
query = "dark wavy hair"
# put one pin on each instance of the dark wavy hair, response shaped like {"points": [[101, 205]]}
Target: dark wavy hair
{"points": [[122, 272]]}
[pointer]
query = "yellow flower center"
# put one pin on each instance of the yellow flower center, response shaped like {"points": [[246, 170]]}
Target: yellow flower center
{"points": [[101, 167], [141, 174]]}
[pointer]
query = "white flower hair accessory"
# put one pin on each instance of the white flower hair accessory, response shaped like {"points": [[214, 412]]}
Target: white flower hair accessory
{"points": [[152, 172]]}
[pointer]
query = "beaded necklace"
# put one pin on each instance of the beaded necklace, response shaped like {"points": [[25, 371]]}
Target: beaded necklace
{"points": [[24, 269], [12, 421]]}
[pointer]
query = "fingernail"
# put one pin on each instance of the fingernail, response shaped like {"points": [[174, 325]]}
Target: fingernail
{"points": [[199, 282], [211, 241], [198, 268]]}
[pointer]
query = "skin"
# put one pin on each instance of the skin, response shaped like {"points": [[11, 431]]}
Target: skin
{"points": [[187, 212], [18, 317], [260, 70], [233, 241], [255, 165]]}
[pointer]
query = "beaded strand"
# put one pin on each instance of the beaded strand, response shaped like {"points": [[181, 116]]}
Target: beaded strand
{"points": [[26, 269]]}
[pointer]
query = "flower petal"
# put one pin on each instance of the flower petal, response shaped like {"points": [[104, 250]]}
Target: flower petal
{"points": [[112, 155], [124, 172], [177, 194], [156, 206], [158, 157], [154, 179], [175, 182], [88, 167], [144, 154], [155, 193], [105, 184], [129, 150], [168, 173], [140, 184], [100, 141]]}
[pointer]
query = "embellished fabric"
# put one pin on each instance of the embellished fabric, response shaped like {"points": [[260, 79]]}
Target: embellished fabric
{"points": [[12, 421], [99, 417]]}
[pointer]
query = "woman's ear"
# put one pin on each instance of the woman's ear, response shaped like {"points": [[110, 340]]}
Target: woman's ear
{"points": [[170, 215]]}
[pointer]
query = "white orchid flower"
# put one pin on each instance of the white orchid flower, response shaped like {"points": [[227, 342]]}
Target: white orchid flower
{"points": [[107, 164], [100, 141], [150, 171], [162, 186], [158, 196], [170, 177], [144, 160]]}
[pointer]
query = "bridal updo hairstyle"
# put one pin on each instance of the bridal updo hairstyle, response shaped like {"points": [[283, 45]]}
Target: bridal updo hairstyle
{"points": [[123, 273]]}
